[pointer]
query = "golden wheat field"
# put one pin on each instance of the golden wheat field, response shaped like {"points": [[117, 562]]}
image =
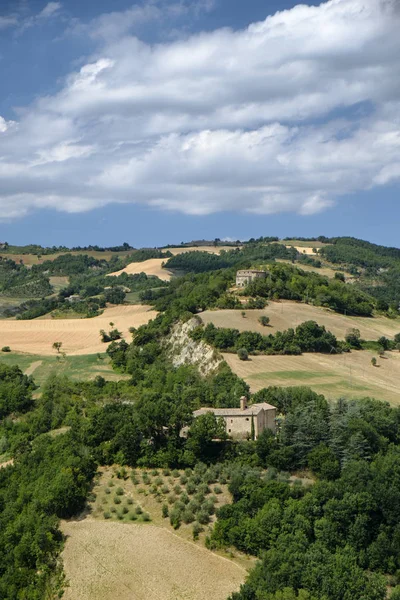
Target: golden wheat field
{"points": [[78, 336], [349, 374], [285, 314], [106, 560], [153, 266]]}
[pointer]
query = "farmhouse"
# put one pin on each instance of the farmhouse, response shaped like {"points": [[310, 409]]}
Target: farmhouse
{"points": [[238, 421], [246, 276]]}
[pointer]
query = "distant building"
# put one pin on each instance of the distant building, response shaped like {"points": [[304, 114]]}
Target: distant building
{"points": [[246, 276], [238, 420]]}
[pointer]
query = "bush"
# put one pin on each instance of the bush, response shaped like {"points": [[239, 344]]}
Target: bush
{"points": [[119, 491], [154, 473], [133, 516], [264, 321], [188, 516], [175, 473], [196, 530], [146, 517], [165, 489], [183, 480], [171, 499], [130, 501], [177, 489], [243, 354], [217, 490], [106, 515], [117, 500], [165, 511], [113, 509], [190, 487], [175, 518], [111, 483], [203, 517], [139, 510], [166, 472], [6, 349], [107, 491], [158, 481], [125, 510], [134, 478]]}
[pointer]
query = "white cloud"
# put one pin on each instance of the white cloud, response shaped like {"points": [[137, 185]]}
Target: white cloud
{"points": [[228, 120], [8, 21], [49, 10]]}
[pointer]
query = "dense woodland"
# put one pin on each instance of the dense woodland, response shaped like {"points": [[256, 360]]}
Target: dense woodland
{"points": [[333, 536]]}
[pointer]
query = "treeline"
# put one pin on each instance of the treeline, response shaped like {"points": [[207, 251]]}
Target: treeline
{"points": [[337, 538], [200, 262], [307, 337]]}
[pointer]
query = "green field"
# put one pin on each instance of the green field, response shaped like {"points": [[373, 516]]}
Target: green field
{"points": [[84, 367]]}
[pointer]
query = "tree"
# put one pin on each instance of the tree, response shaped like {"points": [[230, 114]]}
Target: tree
{"points": [[353, 338], [57, 346], [264, 320], [243, 313], [374, 361], [243, 354]]}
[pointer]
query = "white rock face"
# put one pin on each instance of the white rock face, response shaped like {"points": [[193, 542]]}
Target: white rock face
{"points": [[185, 351]]}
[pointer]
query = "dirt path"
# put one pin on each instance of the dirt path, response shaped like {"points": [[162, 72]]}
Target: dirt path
{"points": [[105, 561], [32, 368]]}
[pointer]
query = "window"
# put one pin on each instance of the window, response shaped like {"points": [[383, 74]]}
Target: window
{"points": [[231, 420], [229, 430], [247, 418]]}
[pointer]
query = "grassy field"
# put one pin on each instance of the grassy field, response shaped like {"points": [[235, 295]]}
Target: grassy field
{"points": [[285, 314], [350, 374], [302, 244], [78, 336], [325, 270], [123, 548], [32, 259], [76, 367]]}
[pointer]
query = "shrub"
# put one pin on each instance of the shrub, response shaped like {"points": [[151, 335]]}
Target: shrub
{"points": [[175, 518], [133, 516], [121, 473], [243, 354], [134, 478], [146, 517], [171, 499], [107, 491], [117, 500], [184, 498], [159, 481], [190, 487], [177, 489], [125, 510], [120, 516], [264, 321], [113, 509], [146, 478], [111, 483], [119, 491], [165, 511], [138, 510], [203, 489], [203, 517], [166, 472], [217, 490], [154, 473], [165, 489], [196, 530], [6, 349], [130, 501], [106, 515], [183, 479], [188, 516], [175, 473], [188, 472]]}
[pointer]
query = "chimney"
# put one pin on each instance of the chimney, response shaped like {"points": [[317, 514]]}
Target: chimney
{"points": [[243, 403]]}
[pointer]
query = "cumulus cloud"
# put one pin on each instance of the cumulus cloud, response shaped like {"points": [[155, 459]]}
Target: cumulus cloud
{"points": [[288, 114]]}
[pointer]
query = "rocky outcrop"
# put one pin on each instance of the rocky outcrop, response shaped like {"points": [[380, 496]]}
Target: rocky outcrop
{"points": [[183, 350]]}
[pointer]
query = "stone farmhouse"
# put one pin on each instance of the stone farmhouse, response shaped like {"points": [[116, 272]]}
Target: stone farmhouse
{"points": [[246, 276], [238, 420]]}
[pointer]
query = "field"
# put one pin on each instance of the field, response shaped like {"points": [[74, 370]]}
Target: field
{"points": [[209, 249], [153, 266], [285, 314], [78, 336], [325, 270], [350, 374], [135, 553], [80, 368]]}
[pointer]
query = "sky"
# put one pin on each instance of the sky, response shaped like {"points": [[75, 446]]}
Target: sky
{"points": [[161, 121]]}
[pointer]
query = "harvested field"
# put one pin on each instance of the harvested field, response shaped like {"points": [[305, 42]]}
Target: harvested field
{"points": [[32, 259], [153, 266], [78, 336], [106, 560], [349, 374], [287, 314]]}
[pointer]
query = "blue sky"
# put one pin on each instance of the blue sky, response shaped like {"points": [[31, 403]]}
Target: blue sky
{"points": [[161, 121]]}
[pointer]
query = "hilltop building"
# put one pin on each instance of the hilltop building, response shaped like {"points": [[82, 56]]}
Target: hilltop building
{"points": [[238, 420], [246, 276]]}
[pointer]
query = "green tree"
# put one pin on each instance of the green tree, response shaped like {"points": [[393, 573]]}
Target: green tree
{"points": [[243, 354]]}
